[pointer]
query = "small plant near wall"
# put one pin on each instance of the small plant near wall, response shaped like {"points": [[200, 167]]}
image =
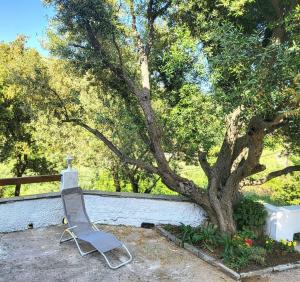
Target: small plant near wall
{"points": [[250, 215], [269, 244], [288, 246], [283, 246]]}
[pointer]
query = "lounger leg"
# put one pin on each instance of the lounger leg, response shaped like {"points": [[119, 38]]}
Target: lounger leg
{"points": [[73, 237], [61, 240], [81, 252], [121, 264]]}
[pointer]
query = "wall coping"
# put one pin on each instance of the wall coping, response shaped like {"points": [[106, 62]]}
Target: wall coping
{"points": [[176, 198], [282, 208], [50, 195]]}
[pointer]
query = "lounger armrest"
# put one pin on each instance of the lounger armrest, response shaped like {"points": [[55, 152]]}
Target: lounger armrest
{"points": [[94, 224], [69, 228], [96, 221]]}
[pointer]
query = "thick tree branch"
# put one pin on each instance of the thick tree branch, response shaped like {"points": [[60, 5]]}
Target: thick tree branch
{"points": [[144, 97], [202, 157], [255, 134], [151, 19], [240, 144], [237, 161], [253, 140], [225, 157], [279, 120], [271, 175], [250, 165]]}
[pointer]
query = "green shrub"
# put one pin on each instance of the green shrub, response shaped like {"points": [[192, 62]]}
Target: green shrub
{"points": [[289, 194], [246, 234], [250, 215], [269, 244]]}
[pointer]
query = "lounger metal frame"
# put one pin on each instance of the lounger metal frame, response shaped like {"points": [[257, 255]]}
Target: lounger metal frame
{"points": [[69, 230], [82, 253]]}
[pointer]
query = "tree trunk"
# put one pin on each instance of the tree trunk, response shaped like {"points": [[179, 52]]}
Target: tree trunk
{"points": [[18, 186], [116, 179], [17, 190], [20, 168], [1, 192], [134, 183]]}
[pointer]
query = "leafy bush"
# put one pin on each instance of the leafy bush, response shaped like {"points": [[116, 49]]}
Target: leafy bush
{"points": [[289, 194], [246, 234], [229, 246], [250, 215]]}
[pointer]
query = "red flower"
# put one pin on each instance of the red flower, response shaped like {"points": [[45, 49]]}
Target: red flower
{"points": [[249, 242]]}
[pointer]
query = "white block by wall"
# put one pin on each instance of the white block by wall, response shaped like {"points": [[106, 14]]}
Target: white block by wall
{"points": [[282, 222]]}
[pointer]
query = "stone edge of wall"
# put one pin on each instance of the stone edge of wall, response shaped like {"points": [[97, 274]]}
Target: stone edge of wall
{"points": [[50, 195]]}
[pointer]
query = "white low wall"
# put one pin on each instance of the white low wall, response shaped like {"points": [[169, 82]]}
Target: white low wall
{"points": [[109, 208], [282, 222]]}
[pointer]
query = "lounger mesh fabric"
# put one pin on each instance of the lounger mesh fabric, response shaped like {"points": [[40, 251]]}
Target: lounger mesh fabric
{"points": [[76, 215]]}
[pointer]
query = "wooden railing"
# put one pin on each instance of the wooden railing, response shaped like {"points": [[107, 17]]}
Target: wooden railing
{"points": [[29, 179]]}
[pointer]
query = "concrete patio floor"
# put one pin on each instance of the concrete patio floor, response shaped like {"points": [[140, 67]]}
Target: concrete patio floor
{"points": [[35, 255]]}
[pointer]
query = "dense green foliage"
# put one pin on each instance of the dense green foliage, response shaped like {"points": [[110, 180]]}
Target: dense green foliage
{"points": [[250, 215], [246, 67], [288, 194], [18, 66]]}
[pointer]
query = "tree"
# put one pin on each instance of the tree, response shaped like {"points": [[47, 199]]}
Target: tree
{"points": [[17, 114], [252, 66]]}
